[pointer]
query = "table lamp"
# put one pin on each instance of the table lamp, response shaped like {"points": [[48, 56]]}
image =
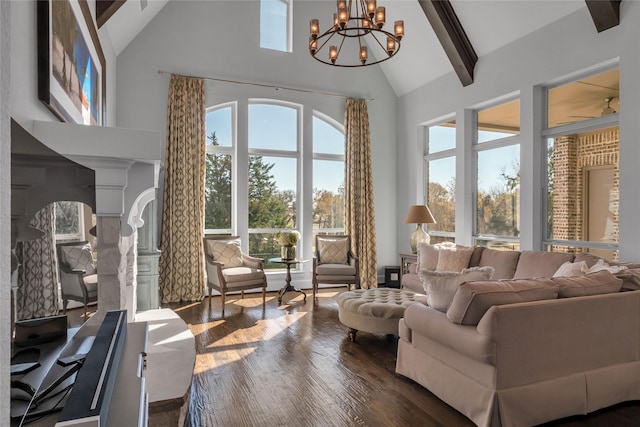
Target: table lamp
{"points": [[419, 214]]}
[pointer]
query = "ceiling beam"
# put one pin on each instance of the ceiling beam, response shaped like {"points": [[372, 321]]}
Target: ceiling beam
{"points": [[605, 13], [105, 10], [452, 37]]}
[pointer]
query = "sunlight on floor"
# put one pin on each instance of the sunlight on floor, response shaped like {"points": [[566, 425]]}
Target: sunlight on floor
{"points": [[186, 307]]}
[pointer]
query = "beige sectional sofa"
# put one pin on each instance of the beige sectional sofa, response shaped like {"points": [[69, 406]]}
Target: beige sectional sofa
{"points": [[526, 363]]}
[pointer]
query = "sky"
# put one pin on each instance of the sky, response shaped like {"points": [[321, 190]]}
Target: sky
{"points": [[491, 162]]}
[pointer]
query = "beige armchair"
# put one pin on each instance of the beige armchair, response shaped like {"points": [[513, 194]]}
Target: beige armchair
{"points": [[334, 263], [229, 270], [78, 274]]}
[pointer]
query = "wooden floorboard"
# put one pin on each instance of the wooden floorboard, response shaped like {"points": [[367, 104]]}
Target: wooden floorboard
{"points": [[293, 365]]}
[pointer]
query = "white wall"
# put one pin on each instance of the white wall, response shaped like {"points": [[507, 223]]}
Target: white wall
{"points": [[221, 39], [558, 50]]}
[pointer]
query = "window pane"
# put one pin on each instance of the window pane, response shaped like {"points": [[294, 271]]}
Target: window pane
{"points": [[584, 99], [217, 192], [497, 244], [583, 186], [328, 194], [611, 255], [263, 245], [499, 122], [441, 195], [273, 25], [498, 192], [219, 124], [442, 137], [68, 218], [273, 127], [326, 138], [272, 192]]}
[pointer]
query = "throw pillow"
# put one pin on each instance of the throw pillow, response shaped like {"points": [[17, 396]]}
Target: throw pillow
{"points": [[79, 258], [454, 258], [569, 269], [227, 252], [333, 251], [427, 256], [441, 286], [473, 299], [600, 282], [603, 265]]}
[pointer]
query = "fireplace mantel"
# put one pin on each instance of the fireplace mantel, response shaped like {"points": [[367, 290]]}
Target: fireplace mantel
{"points": [[126, 164]]}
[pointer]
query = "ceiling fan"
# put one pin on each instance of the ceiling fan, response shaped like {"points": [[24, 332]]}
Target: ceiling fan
{"points": [[605, 112]]}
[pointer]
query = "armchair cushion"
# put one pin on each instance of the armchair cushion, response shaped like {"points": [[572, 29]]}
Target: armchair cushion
{"points": [[226, 251], [91, 283], [335, 270], [333, 251], [242, 274]]}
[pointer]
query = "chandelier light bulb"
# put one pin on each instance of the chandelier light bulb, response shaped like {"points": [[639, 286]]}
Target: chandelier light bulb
{"points": [[363, 54], [341, 4], [313, 44], [371, 8], [335, 21], [391, 45], [380, 16], [399, 29], [333, 54], [366, 23], [343, 16], [314, 28]]}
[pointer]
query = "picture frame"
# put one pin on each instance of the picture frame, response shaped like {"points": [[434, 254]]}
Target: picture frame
{"points": [[71, 63]]}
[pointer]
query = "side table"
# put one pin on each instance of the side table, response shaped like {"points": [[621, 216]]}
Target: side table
{"points": [[288, 287], [406, 259]]}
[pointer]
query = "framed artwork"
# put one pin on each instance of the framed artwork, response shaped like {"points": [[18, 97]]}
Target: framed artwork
{"points": [[71, 64]]}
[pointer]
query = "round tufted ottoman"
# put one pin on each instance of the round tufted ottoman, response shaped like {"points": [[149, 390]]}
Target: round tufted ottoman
{"points": [[376, 310]]}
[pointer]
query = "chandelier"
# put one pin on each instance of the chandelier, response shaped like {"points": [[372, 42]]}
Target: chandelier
{"points": [[357, 27]]}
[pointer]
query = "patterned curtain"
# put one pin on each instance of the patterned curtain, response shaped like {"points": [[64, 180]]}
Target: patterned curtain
{"points": [[360, 221], [181, 260], [37, 283]]}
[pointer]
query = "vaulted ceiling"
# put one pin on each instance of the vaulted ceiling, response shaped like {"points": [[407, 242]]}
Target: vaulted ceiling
{"points": [[440, 36]]}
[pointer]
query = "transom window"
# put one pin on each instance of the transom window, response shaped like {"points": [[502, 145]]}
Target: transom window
{"points": [[275, 24]]}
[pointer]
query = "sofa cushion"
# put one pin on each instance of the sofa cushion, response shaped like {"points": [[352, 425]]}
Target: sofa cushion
{"points": [[504, 262], [427, 256], [569, 269], [454, 257], [441, 286], [473, 299], [630, 279], [540, 264], [590, 259], [601, 282], [476, 255]]}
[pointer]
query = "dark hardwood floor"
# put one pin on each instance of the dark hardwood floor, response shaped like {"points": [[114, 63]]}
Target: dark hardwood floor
{"points": [[293, 365]]}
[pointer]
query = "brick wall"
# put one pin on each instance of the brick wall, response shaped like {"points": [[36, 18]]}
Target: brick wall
{"points": [[572, 156]]}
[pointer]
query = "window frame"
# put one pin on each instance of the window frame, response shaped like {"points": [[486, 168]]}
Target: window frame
{"points": [[438, 155], [478, 147], [584, 126], [81, 229]]}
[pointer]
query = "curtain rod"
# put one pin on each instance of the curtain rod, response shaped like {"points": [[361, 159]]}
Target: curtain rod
{"points": [[315, 92]]}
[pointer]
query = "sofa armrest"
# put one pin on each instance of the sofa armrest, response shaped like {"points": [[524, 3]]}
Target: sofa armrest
{"points": [[435, 325], [541, 340]]}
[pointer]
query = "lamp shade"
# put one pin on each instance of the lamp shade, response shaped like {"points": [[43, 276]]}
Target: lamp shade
{"points": [[419, 214]]}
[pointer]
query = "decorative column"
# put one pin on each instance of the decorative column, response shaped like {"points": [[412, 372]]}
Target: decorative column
{"points": [[148, 292]]}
